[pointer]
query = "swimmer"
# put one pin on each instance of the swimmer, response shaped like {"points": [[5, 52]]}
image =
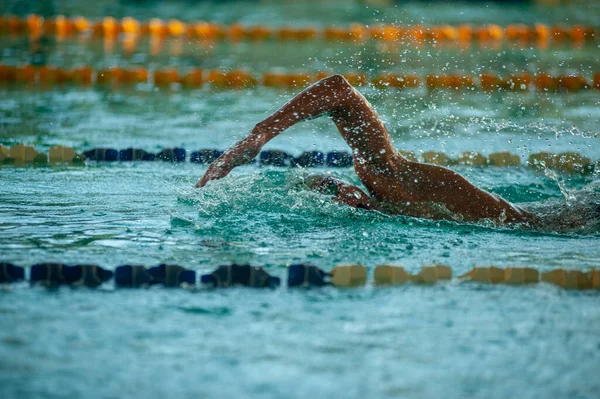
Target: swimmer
{"points": [[394, 184]]}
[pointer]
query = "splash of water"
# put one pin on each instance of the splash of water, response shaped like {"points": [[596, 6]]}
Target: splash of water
{"points": [[275, 196]]}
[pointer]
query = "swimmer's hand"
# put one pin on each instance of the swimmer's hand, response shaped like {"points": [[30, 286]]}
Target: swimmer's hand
{"points": [[240, 154], [214, 172], [342, 192], [354, 197]]}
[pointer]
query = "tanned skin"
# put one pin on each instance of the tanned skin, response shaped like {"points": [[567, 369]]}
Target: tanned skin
{"points": [[395, 184]]}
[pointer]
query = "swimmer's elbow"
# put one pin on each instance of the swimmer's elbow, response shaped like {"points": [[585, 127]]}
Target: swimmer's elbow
{"points": [[337, 80]]}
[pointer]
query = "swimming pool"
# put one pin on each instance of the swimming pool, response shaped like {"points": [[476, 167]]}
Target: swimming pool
{"points": [[453, 340]]}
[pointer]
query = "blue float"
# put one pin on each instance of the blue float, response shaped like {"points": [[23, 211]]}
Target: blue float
{"points": [[172, 275], [134, 154], [274, 158], [245, 275], [339, 159], [86, 275], [309, 159], [47, 274], [171, 155], [205, 156], [300, 275], [102, 154], [133, 276], [10, 273]]}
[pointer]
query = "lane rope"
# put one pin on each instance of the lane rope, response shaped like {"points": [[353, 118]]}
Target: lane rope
{"points": [[537, 34], [53, 275], [115, 77], [23, 155]]}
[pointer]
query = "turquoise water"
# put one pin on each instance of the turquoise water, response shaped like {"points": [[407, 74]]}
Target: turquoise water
{"points": [[453, 340]]}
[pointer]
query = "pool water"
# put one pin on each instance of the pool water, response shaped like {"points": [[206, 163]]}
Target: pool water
{"points": [[453, 340]]}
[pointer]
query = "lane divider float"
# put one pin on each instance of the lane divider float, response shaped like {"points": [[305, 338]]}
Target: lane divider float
{"points": [[538, 34], [22, 155], [53, 275], [115, 77]]}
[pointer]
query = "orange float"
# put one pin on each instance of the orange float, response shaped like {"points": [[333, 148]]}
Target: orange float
{"points": [[237, 32], [274, 79], [158, 28], [49, 26], [63, 76], [82, 76], [518, 82], [405, 81], [517, 32], [590, 33], [441, 34], [388, 33], [596, 83], [239, 79], [298, 79], [577, 33], [337, 33], [434, 35], [64, 26], [457, 82], [25, 74], [558, 33], [286, 33], [205, 30], [449, 32], [97, 29], [81, 24], [117, 75], [217, 78], [259, 33], [104, 76], [141, 75], [541, 33], [307, 33], [416, 34], [381, 81], [573, 83], [333, 33], [193, 78], [396, 81], [130, 76], [15, 25], [489, 33], [358, 32], [432, 81], [490, 82], [110, 27], [166, 77], [35, 24], [176, 28], [8, 73], [465, 33], [355, 79], [47, 75], [545, 82], [131, 25]]}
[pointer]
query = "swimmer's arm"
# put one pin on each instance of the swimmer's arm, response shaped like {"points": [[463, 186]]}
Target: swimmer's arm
{"points": [[241, 153], [325, 96], [342, 192]]}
